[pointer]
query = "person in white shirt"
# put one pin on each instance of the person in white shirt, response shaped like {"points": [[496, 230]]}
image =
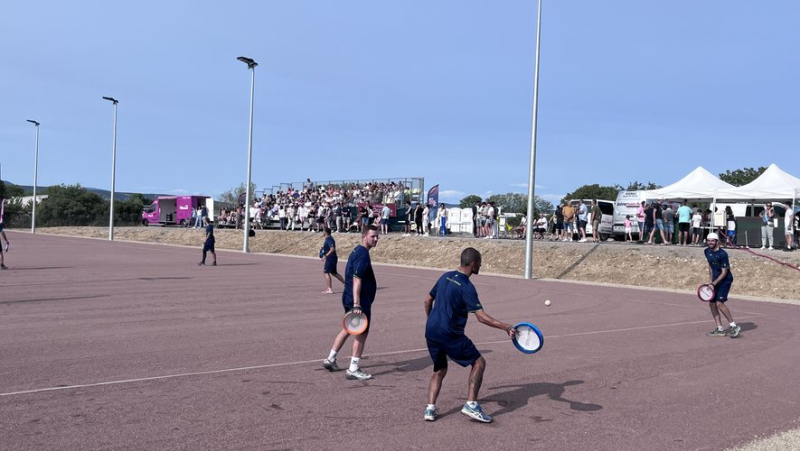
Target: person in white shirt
{"points": [[788, 223], [697, 220]]}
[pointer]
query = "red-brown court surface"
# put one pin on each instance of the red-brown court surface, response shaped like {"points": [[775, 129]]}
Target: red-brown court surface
{"points": [[133, 346]]}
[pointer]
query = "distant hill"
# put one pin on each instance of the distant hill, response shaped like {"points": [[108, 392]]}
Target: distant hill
{"points": [[104, 193]]}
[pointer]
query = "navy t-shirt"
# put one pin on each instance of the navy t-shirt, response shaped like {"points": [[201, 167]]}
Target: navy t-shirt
{"points": [[359, 265], [329, 244], [210, 233], [454, 299], [719, 260]]}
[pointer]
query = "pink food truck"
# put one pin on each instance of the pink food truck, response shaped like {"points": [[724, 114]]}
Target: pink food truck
{"points": [[175, 210]]}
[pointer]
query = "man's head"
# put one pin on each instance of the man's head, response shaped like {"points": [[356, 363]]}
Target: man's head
{"points": [[327, 231], [470, 261], [712, 240], [369, 237]]}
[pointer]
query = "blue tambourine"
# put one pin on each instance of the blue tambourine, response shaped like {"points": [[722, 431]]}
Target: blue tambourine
{"points": [[528, 338]]}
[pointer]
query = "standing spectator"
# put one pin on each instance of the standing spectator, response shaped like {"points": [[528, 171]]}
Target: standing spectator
{"points": [[628, 227], [331, 259], [569, 221], [360, 287], [649, 223], [198, 221], [208, 245], [409, 218], [583, 216], [697, 223], [193, 221], [346, 216], [597, 215], [788, 222], [495, 212], [640, 219], [442, 220], [337, 215], [418, 219], [302, 215], [684, 218], [489, 227], [363, 214], [3, 249], [291, 214], [559, 214], [426, 220], [385, 212], [767, 229], [475, 221], [730, 222], [282, 217], [203, 214], [669, 223], [658, 222]]}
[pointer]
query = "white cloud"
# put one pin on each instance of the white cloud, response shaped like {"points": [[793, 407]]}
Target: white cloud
{"points": [[451, 196], [525, 185], [179, 191], [552, 198]]}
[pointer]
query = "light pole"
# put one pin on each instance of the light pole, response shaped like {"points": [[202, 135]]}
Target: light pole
{"points": [[532, 170], [35, 176], [252, 66], [113, 170]]}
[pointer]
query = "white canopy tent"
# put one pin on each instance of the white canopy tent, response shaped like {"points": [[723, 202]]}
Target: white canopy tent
{"points": [[774, 184], [698, 185]]}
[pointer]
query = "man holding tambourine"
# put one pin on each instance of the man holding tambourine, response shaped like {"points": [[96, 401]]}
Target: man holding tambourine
{"points": [[719, 271]]}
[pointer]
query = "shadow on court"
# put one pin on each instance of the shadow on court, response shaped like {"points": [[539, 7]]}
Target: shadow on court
{"points": [[412, 365], [748, 326], [519, 396]]}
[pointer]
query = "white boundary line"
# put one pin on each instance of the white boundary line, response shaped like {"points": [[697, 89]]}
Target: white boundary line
{"points": [[305, 362]]}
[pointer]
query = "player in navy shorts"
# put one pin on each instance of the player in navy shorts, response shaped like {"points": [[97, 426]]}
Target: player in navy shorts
{"points": [[331, 260], [360, 287], [719, 271], [208, 245], [447, 306]]}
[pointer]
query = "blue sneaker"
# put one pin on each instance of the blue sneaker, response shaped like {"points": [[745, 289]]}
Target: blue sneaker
{"points": [[430, 414], [476, 413]]}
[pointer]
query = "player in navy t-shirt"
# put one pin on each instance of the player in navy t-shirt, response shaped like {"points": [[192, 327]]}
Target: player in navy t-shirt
{"points": [[359, 293], [208, 246], [331, 260], [448, 306], [719, 271]]}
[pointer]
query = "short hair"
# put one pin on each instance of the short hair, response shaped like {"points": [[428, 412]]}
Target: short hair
{"points": [[469, 256], [368, 228], [327, 230]]}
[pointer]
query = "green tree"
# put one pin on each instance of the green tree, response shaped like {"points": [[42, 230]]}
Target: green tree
{"points": [[741, 177], [638, 186], [232, 195], [469, 201], [593, 192], [129, 212], [518, 203], [71, 205]]}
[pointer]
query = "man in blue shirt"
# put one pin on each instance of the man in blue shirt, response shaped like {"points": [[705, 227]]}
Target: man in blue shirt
{"points": [[208, 246], [331, 260], [359, 293], [684, 218], [719, 271], [447, 306]]}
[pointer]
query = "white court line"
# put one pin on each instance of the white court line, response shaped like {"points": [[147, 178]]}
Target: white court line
{"points": [[305, 362]]}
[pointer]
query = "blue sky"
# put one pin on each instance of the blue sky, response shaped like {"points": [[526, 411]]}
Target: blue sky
{"points": [[629, 90]]}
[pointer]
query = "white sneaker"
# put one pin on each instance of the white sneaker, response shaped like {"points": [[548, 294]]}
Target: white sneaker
{"points": [[357, 375], [582, 240], [763, 247], [771, 248]]}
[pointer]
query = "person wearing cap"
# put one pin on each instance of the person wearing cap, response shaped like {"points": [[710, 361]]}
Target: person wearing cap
{"points": [[719, 271], [767, 229]]}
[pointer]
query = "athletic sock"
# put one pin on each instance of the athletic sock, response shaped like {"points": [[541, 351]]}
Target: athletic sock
{"points": [[431, 406], [332, 356], [472, 404], [733, 324], [354, 364], [720, 328]]}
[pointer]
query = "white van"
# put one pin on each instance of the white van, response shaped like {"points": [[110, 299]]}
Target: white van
{"points": [[627, 204], [606, 221]]}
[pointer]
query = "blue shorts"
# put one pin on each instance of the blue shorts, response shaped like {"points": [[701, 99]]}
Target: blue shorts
{"points": [[731, 234], [208, 247], [670, 227], [722, 290], [460, 350], [659, 224], [384, 221], [330, 265]]}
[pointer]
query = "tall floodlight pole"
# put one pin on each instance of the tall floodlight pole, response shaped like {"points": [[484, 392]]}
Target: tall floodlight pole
{"points": [[35, 176], [113, 170], [252, 66], [532, 170]]}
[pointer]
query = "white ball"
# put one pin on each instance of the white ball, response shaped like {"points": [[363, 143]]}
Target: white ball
{"points": [[547, 302]]}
